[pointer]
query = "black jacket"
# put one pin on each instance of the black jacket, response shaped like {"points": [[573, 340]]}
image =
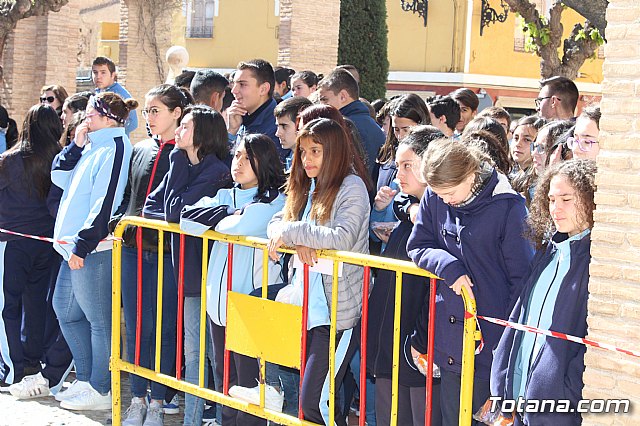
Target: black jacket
{"points": [[415, 299], [144, 159]]}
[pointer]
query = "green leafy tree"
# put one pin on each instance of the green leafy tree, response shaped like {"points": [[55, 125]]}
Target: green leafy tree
{"points": [[544, 36], [11, 11], [363, 43]]}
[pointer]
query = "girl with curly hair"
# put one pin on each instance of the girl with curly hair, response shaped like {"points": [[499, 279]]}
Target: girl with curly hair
{"points": [[533, 366]]}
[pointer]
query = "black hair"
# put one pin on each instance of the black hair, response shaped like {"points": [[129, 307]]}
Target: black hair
{"points": [[171, 96], [283, 74], [209, 132], [184, 79], [228, 98], [308, 77], [77, 102], [38, 145], [447, 106], [466, 97], [262, 71], [76, 120], [564, 89], [103, 60], [491, 125], [340, 79], [205, 82], [265, 163], [420, 137], [291, 107]]}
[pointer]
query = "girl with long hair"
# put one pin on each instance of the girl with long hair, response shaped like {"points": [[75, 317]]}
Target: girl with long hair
{"points": [[327, 207], [555, 297], [26, 265], [196, 169], [244, 209], [469, 232], [164, 107], [92, 173]]}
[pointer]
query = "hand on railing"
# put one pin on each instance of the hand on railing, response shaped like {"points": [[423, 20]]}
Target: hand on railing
{"points": [[275, 242], [463, 281]]}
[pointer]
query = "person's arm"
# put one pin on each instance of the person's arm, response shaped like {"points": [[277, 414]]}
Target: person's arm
{"points": [[198, 218], [154, 204], [424, 250], [351, 211], [64, 163], [517, 251], [252, 220], [182, 192], [122, 209], [102, 199]]}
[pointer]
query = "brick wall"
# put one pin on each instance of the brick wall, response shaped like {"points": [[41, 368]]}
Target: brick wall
{"points": [[614, 303], [137, 69], [309, 35], [42, 50]]}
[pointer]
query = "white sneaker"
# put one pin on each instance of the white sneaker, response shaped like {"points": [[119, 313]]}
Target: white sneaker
{"points": [[134, 416], [273, 400], [76, 387], [34, 386], [154, 414], [88, 399]]}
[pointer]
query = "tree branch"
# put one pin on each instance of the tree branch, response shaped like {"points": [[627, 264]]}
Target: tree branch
{"points": [[593, 11]]}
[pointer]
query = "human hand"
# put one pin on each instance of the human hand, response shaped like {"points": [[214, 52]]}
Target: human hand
{"points": [[307, 255], [413, 212], [76, 262], [235, 112], [274, 244], [382, 234], [384, 197], [463, 281], [81, 135]]}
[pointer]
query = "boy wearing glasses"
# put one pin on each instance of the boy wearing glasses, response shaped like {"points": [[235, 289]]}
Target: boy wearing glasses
{"points": [[103, 73], [557, 99]]}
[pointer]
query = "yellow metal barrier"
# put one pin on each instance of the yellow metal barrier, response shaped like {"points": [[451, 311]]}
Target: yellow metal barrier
{"points": [[118, 365]]}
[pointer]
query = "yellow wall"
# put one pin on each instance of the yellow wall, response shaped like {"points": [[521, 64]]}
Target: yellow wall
{"points": [[246, 29], [412, 47], [493, 53], [243, 29]]}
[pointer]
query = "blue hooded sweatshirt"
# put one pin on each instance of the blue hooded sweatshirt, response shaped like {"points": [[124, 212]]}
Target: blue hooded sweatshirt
{"points": [[483, 240], [93, 179]]}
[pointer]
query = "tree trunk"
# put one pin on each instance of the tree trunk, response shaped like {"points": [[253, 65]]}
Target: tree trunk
{"points": [[12, 12], [592, 10]]}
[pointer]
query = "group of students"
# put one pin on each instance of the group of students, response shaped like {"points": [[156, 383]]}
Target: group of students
{"points": [[426, 182]]}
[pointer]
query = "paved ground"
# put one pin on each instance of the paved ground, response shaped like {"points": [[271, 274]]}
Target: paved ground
{"points": [[47, 411]]}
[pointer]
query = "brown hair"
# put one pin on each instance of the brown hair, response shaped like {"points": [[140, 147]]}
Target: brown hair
{"points": [[118, 106], [581, 177], [336, 166], [446, 164], [59, 92], [490, 144], [359, 154]]}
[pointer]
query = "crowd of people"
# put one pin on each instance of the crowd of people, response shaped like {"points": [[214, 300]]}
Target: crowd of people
{"points": [[501, 206]]}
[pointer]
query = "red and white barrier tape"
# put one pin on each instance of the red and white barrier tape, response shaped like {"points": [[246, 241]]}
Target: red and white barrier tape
{"points": [[49, 240], [557, 335]]}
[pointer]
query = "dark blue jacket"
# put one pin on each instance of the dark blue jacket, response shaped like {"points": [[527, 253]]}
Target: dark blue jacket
{"points": [[263, 121], [21, 209], [371, 134], [483, 240], [556, 373], [183, 185], [415, 299]]}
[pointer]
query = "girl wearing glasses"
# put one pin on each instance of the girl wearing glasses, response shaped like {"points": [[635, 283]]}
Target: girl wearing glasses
{"points": [[584, 142], [164, 107]]}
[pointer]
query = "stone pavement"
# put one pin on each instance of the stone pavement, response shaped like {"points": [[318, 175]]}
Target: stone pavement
{"points": [[47, 411]]}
